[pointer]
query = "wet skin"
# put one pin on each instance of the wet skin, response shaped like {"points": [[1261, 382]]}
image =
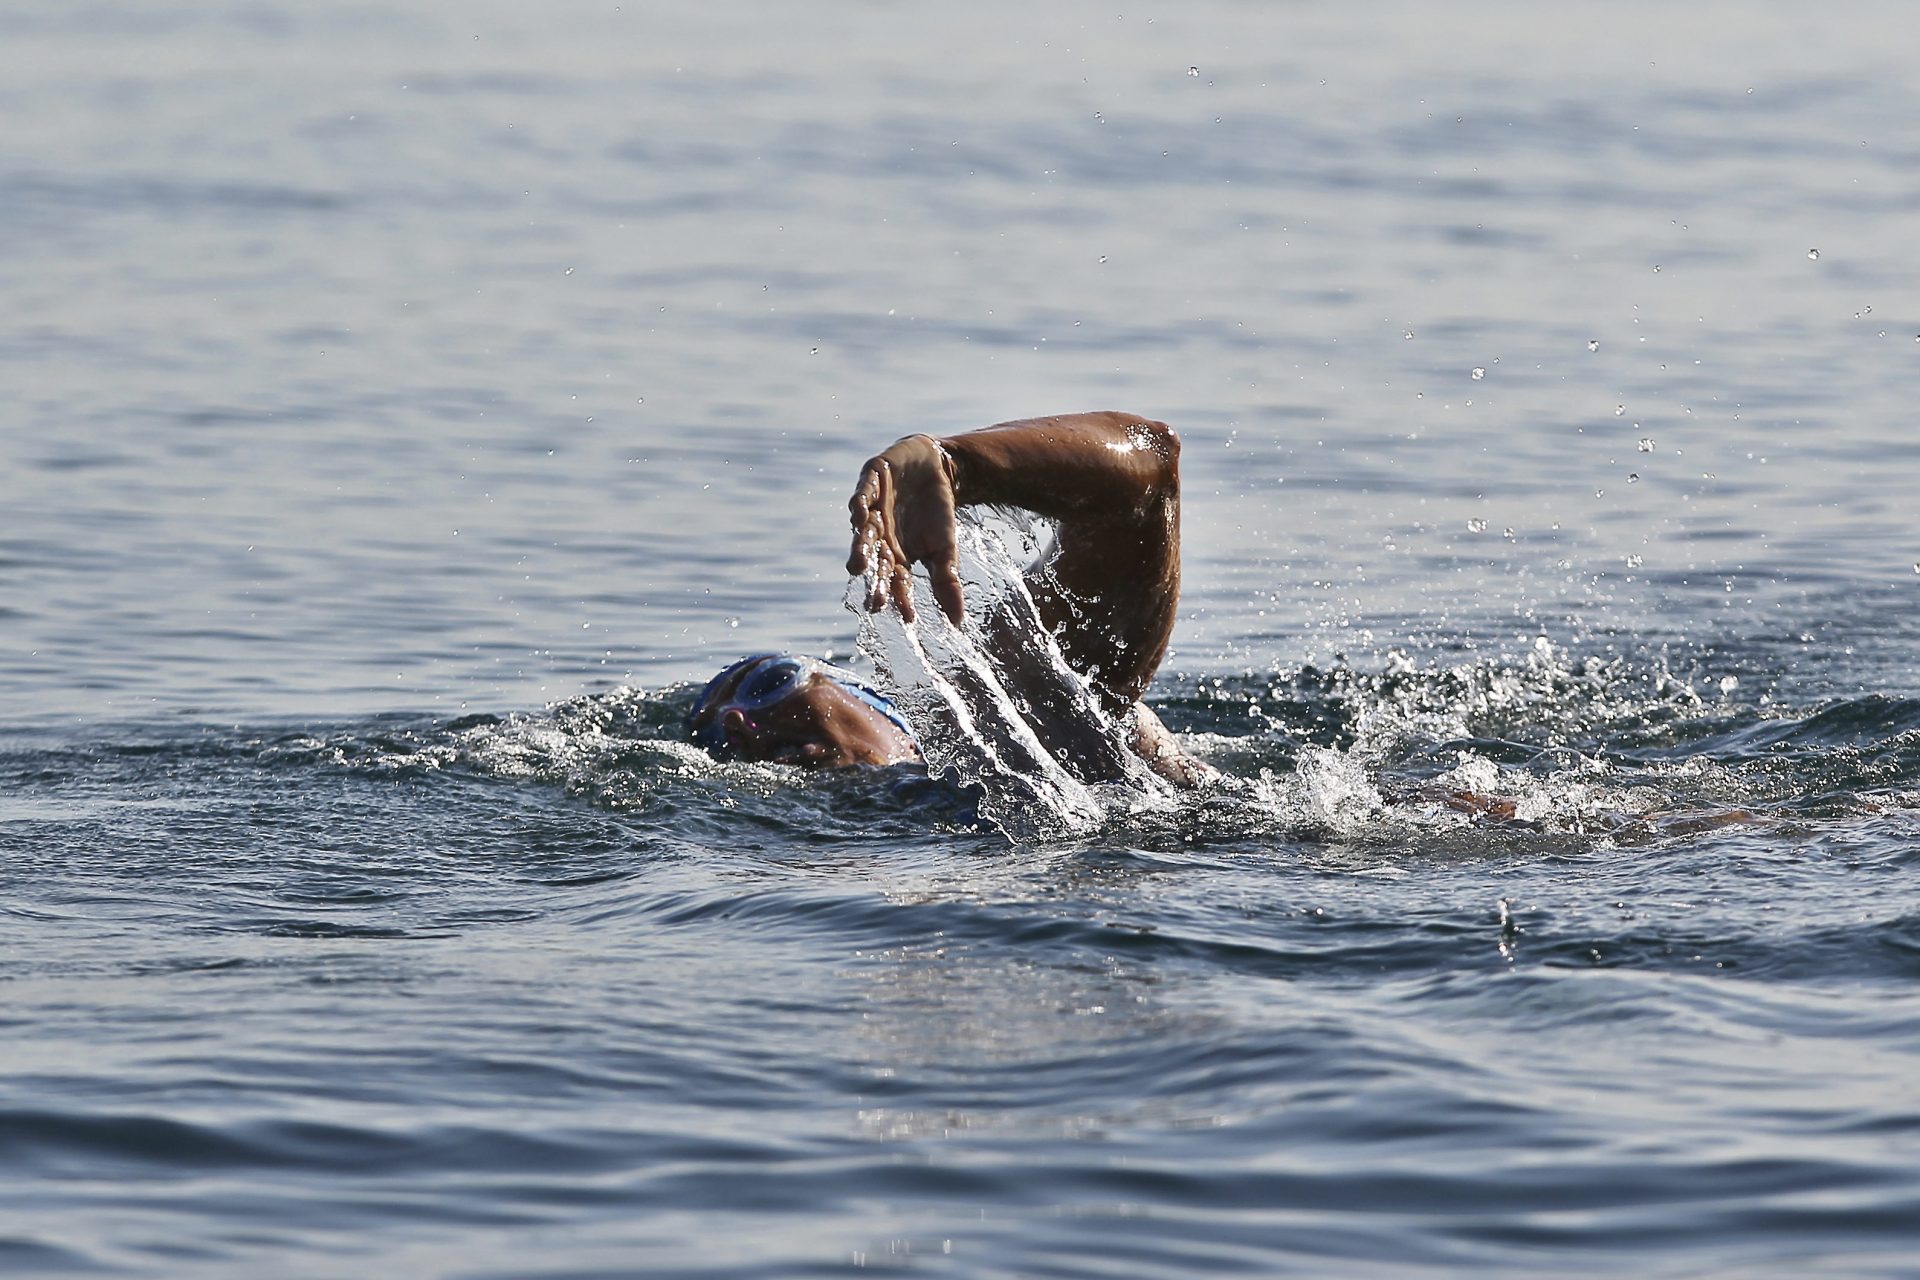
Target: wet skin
{"points": [[1110, 481], [818, 725]]}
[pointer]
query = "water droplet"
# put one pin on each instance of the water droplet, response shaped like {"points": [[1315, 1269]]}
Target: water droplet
{"points": [[1103, 257], [1634, 562], [1193, 71], [1656, 268], [1813, 255], [1633, 477], [814, 351], [1599, 493], [733, 622], [1593, 344], [1646, 444], [1479, 374], [1619, 410], [1476, 525], [1408, 335]]}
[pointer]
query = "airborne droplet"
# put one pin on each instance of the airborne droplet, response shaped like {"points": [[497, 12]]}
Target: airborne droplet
{"points": [[1593, 344], [1646, 444], [1478, 525], [1813, 255], [1479, 374]]}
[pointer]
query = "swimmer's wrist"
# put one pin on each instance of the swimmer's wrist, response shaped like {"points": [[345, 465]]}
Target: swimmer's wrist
{"points": [[949, 462]]}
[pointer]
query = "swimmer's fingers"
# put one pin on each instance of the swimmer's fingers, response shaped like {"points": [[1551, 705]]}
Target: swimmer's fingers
{"points": [[893, 578], [946, 590], [876, 551], [928, 536], [863, 512], [922, 511], [902, 513]]}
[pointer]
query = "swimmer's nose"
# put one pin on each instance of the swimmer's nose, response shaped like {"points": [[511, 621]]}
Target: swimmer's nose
{"points": [[740, 731]]}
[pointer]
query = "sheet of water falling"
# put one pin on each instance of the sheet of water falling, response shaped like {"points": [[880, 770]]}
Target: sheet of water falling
{"points": [[993, 698]]}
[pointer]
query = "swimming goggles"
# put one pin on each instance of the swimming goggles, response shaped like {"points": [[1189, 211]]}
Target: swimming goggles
{"points": [[775, 677]]}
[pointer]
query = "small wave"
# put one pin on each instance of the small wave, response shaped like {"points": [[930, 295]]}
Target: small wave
{"points": [[1542, 745]]}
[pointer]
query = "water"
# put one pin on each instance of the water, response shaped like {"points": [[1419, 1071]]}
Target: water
{"points": [[408, 404]]}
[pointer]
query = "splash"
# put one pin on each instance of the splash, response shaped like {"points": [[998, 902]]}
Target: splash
{"points": [[994, 700]]}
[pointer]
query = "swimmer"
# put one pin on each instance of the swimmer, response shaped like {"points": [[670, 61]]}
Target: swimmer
{"points": [[1107, 593]]}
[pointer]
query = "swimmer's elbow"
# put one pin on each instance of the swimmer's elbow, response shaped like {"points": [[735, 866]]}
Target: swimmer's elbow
{"points": [[1158, 445]]}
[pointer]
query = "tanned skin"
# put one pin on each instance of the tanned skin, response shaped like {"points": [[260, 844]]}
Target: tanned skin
{"points": [[818, 726], [1111, 482]]}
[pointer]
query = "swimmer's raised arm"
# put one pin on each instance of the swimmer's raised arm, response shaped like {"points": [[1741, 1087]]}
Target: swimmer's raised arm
{"points": [[1111, 480]]}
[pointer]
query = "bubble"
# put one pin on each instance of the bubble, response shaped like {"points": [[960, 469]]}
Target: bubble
{"points": [[1646, 444], [1476, 525], [1479, 374], [1593, 344], [1813, 255]]}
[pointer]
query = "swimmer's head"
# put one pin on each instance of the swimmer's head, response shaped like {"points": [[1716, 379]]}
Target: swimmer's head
{"points": [[793, 710]]}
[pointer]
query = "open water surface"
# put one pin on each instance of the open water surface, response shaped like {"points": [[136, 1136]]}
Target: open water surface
{"points": [[410, 404]]}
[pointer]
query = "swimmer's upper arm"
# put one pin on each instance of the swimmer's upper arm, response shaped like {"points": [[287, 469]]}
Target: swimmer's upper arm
{"points": [[1099, 466]]}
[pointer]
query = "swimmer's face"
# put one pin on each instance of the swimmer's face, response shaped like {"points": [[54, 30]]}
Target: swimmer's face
{"points": [[818, 725]]}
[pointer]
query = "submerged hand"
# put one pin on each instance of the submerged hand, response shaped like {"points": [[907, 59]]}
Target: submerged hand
{"points": [[903, 514]]}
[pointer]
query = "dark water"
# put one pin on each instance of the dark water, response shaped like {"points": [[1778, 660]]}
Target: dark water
{"points": [[410, 403]]}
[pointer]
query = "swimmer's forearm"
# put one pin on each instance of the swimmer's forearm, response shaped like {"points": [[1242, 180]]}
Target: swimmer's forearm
{"points": [[1074, 465]]}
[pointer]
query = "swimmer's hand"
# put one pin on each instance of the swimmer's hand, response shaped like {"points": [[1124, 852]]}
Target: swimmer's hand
{"points": [[902, 513]]}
